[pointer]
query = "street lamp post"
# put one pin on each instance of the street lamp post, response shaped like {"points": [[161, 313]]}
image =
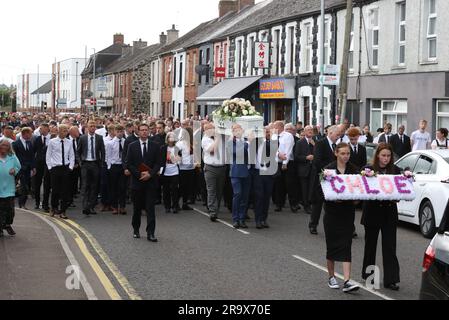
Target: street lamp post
{"points": [[322, 66], [94, 80]]}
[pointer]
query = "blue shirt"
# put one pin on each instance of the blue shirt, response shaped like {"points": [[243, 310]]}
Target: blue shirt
{"points": [[7, 182]]}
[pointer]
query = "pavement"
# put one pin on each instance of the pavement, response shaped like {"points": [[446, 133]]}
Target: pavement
{"points": [[196, 259]]}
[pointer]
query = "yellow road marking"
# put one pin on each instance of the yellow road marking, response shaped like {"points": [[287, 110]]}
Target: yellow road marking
{"points": [[133, 295], [107, 284]]}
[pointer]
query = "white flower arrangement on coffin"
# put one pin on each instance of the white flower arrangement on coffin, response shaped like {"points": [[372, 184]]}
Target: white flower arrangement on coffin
{"points": [[238, 111]]}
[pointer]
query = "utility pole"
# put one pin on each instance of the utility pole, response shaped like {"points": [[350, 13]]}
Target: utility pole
{"points": [[94, 81], [322, 64], [38, 92], [343, 96]]}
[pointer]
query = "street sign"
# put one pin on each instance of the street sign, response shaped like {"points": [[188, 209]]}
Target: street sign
{"points": [[333, 69], [330, 80], [220, 72], [262, 54]]}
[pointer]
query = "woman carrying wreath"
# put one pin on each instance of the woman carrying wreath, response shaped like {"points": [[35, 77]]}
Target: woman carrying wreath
{"points": [[382, 216], [339, 224]]}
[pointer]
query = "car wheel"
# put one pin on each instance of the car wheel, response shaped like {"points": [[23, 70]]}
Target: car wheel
{"points": [[427, 220]]}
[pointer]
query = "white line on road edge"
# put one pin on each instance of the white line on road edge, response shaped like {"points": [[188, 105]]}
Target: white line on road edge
{"points": [[84, 282], [313, 264], [223, 222]]}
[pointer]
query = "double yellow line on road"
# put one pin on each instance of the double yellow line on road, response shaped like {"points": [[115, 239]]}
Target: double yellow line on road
{"points": [[72, 228]]}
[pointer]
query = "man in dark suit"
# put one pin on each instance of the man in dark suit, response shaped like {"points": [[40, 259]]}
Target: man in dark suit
{"points": [[91, 153], [130, 139], [324, 154], [40, 144], [75, 174], [143, 161], [401, 143], [358, 151], [24, 150], [238, 156], [304, 151], [385, 137]]}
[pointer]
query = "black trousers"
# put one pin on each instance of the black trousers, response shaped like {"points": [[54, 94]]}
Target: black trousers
{"points": [[25, 181], [304, 183], [286, 183], [143, 199], [200, 185], [117, 186], [60, 195], [187, 185], [390, 260], [170, 191], [263, 187], [105, 189], [6, 211], [74, 180], [42, 176], [90, 172]]}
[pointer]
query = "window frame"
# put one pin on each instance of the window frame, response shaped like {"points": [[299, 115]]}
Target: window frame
{"points": [[402, 24], [433, 36]]}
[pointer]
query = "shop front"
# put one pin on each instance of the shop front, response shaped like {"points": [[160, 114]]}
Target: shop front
{"points": [[278, 97]]}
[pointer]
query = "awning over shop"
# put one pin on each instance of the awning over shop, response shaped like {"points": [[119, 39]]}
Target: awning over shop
{"points": [[228, 88]]}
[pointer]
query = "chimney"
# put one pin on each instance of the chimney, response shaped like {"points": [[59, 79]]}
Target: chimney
{"points": [[163, 39], [126, 50], [226, 6], [139, 44], [172, 34], [245, 3], [119, 38]]}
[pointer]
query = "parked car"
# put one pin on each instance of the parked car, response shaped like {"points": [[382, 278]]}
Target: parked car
{"points": [[431, 170], [435, 277]]}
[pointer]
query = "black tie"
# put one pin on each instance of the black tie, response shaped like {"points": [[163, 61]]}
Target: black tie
{"points": [[267, 153], [144, 149], [62, 150], [92, 153], [45, 138], [334, 146], [28, 143], [355, 150], [74, 146], [120, 148]]}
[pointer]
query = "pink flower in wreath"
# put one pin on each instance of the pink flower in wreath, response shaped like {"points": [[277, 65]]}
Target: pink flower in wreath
{"points": [[328, 175], [368, 173], [409, 175]]}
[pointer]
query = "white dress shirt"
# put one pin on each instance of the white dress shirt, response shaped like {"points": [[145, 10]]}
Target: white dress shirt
{"points": [[211, 159], [113, 152], [187, 158], [286, 144], [54, 153], [101, 132]]}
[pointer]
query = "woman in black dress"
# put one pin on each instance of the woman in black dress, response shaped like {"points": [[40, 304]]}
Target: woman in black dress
{"points": [[339, 224], [382, 216]]}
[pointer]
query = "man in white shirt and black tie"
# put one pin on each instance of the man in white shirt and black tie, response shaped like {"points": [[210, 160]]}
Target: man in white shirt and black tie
{"points": [[386, 136], [60, 162], [76, 173], [117, 178]]}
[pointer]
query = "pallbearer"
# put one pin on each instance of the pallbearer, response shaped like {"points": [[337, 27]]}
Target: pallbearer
{"points": [[114, 162], [60, 162]]}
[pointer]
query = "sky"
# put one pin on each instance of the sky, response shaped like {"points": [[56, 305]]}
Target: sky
{"points": [[36, 32]]}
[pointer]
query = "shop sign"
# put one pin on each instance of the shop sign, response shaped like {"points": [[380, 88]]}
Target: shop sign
{"points": [[262, 54], [277, 89]]}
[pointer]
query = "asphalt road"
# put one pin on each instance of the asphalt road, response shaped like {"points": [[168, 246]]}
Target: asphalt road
{"points": [[200, 260]]}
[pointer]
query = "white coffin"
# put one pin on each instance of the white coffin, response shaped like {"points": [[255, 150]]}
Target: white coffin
{"points": [[249, 124]]}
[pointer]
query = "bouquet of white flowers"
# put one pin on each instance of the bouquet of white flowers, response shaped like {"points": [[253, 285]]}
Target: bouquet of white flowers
{"points": [[235, 108]]}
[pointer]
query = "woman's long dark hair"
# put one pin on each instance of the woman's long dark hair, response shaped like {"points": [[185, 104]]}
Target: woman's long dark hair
{"points": [[390, 166]]}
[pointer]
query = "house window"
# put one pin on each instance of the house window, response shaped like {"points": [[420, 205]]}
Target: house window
{"points": [[291, 50], [443, 114], [351, 48], [193, 68], [375, 37], [239, 58], [431, 30], [208, 65], [200, 77], [327, 41], [308, 47], [388, 111], [277, 46], [180, 74], [401, 32], [250, 56], [174, 71]]}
